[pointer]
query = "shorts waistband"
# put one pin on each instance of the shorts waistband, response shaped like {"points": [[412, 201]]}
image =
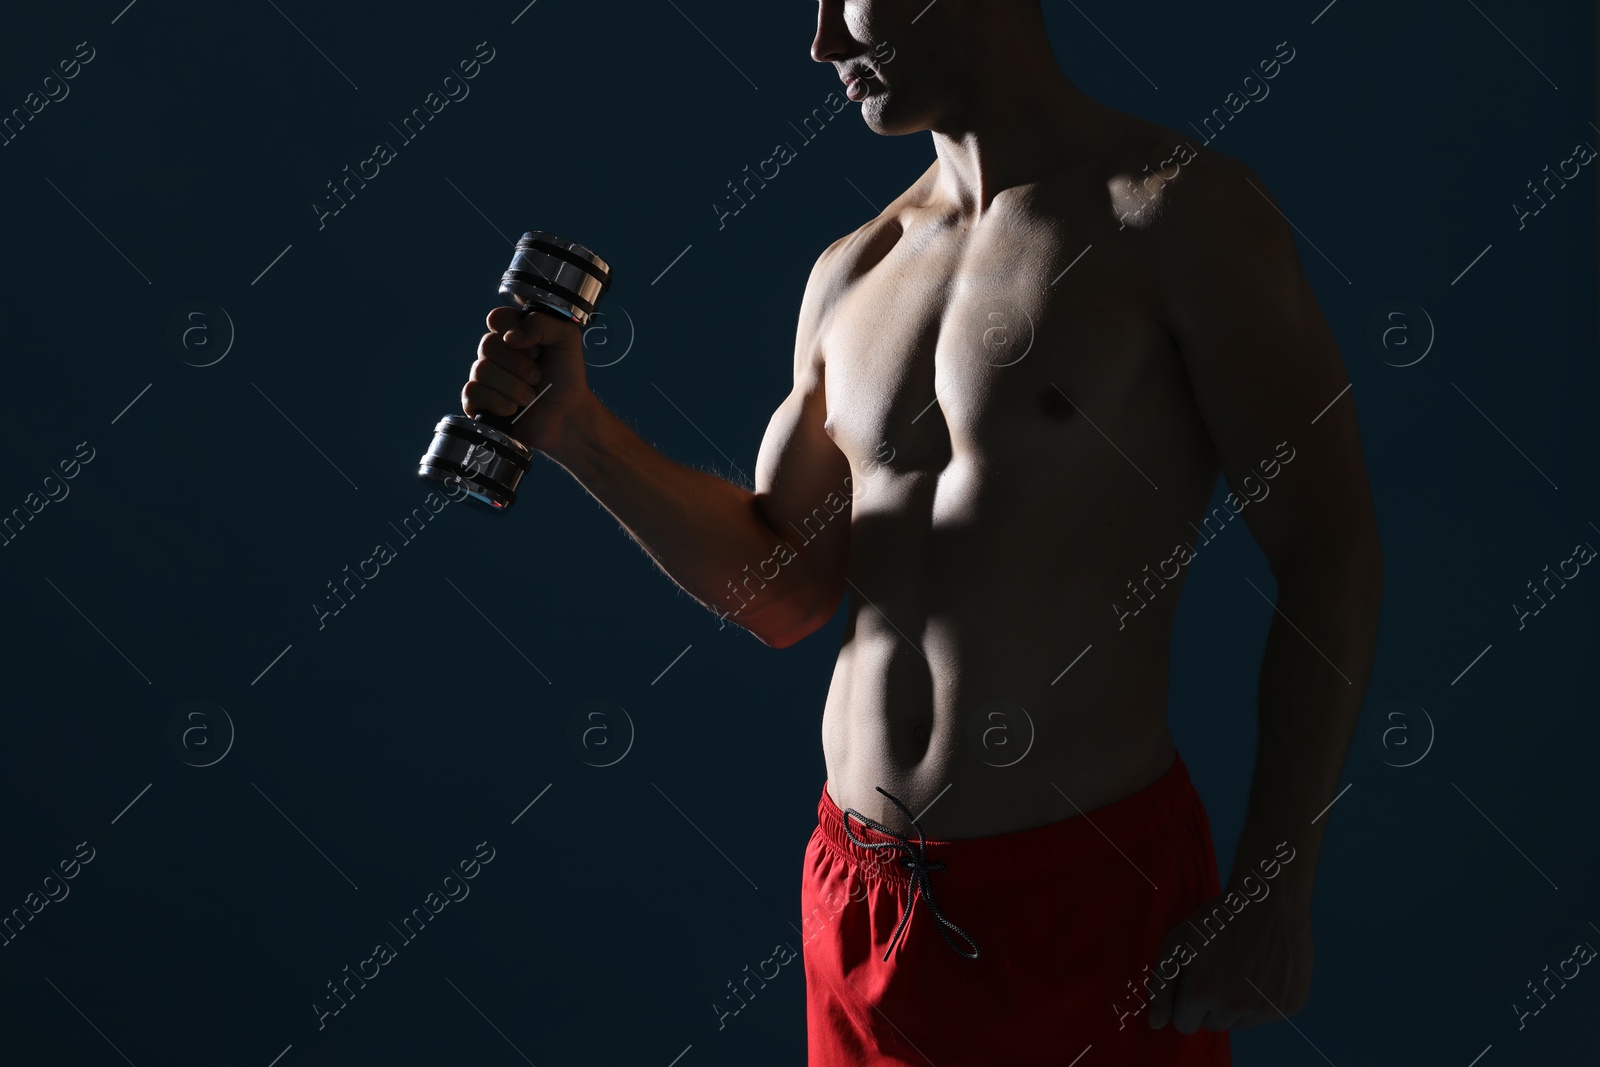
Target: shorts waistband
{"points": [[1167, 805]]}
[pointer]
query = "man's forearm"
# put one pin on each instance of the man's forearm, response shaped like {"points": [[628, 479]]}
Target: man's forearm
{"points": [[702, 530], [1313, 679]]}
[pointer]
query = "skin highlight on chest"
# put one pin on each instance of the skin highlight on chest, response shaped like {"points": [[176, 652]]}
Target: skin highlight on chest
{"points": [[960, 338]]}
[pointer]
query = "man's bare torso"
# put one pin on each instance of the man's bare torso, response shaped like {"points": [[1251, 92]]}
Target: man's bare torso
{"points": [[1023, 442]]}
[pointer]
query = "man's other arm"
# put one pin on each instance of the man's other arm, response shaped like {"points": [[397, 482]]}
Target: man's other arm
{"points": [[1263, 365]]}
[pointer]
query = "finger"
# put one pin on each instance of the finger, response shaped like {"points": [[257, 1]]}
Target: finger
{"points": [[537, 329], [1189, 1009], [1167, 988], [502, 381], [502, 319], [1161, 1003], [478, 399], [519, 362]]}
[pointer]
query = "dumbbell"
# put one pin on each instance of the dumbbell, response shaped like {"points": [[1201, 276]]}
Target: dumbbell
{"points": [[548, 275]]}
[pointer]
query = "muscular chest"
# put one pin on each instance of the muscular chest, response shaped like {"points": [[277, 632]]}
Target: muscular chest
{"points": [[994, 341]]}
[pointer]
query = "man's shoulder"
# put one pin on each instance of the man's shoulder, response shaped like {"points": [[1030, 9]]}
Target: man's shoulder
{"points": [[1190, 208], [846, 261], [835, 269], [851, 256], [1153, 178], [1161, 180]]}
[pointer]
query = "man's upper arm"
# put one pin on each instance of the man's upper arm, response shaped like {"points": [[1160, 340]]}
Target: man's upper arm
{"points": [[1263, 365], [800, 473]]}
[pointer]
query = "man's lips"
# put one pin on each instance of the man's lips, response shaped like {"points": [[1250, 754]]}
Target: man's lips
{"points": [[855, 83]]}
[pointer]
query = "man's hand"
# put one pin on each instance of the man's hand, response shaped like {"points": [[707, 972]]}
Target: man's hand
{"points": [[535, 360], [1259, 965]]}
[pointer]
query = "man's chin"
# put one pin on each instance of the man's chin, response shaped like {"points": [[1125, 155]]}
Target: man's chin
{"points": [[885, 122]]}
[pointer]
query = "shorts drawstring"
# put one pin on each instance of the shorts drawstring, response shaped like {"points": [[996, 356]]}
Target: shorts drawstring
{"points": [[915, 860]]}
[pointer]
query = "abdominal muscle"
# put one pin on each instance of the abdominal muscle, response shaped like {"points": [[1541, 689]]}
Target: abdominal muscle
{"points": [[960, 688]]}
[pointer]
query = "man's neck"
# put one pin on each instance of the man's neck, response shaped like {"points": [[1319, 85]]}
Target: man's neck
{"points": [[1015, 128]]}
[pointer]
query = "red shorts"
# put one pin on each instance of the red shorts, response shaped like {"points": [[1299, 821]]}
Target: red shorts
{"points": [[1065, 917]]}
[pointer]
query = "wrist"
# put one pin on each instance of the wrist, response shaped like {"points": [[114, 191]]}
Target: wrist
{"points": [[577, 433], [1279, 872]]}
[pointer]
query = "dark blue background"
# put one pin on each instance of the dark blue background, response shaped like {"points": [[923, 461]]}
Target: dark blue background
{"points": [[189, 551]]}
